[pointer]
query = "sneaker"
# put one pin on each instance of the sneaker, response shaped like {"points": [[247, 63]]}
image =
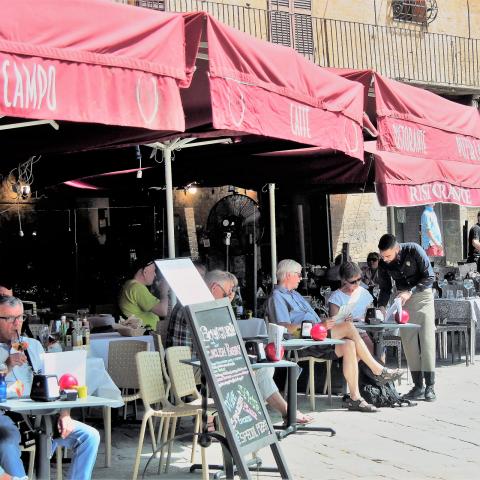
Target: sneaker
{"points": [[416, 393], [430, 394]]}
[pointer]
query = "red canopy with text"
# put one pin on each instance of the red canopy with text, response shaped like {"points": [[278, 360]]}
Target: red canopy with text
{"points": [[92, 61], [265, 89]]}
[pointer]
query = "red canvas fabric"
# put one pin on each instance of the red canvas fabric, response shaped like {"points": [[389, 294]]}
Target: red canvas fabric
{"points": [[417, 122], [404, 180], [266, 89], [92, 61]]}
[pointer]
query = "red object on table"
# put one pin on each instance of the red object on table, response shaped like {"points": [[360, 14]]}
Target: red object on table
{"points": [[67, 381], [319, 332], [405, 317], [271, 352]]}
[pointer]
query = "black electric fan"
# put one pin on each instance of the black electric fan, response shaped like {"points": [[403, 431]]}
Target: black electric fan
{"points": [[234, 224]]}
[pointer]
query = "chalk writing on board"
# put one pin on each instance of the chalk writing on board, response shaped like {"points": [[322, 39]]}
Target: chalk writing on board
{"points": [[230, 371]]}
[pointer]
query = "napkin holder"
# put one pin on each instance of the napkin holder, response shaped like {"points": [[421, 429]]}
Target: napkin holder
{"points": [[256, 348], [45, 388], [373, 317]]}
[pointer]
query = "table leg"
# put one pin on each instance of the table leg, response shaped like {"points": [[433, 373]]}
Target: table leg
{"points": [[107, 426], [292, 426], [473, 340], [44, 446]]}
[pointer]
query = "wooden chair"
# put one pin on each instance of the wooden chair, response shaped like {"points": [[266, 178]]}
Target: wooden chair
{"points": [[122, 369], [152, 392]]}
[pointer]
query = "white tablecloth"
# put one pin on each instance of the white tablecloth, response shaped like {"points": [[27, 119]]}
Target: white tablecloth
{"points": [[99, 382], [99, 343]]}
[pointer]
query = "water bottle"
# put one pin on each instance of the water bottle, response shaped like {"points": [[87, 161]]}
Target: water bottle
{"points": [[3, 384]]}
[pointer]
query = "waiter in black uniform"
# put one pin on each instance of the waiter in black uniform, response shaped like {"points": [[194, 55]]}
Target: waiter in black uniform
{"points": [[408, 266]]}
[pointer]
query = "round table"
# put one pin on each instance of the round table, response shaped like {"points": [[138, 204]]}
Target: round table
{"points": [[377, 331]]}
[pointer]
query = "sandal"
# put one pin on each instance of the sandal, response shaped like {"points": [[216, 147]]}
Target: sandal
{"points": [[359, 405], [388, 375]]}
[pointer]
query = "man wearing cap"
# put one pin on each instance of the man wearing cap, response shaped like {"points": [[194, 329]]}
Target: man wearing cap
{"points": [[431, 235], [136, 300], [408, 266]]}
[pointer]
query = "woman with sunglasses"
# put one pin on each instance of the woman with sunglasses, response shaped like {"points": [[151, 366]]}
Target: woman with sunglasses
{"points": [[286, 307], [352, 291]]}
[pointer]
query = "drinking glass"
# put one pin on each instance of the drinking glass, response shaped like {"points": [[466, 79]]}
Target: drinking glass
{"points": [[43, 334], [459, 294], [468, 285]]}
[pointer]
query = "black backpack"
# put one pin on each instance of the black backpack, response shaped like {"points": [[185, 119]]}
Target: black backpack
{"points": [[379, 394]]}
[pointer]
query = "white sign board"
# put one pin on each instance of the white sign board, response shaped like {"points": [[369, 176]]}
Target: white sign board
{"points": [[184, 280]]}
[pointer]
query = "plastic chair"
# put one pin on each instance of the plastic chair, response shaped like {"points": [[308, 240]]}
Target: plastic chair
{"points": [[395, 342], [122, 369], [152, 392], [327, 387], [443, 330], [183, 380], [31, 458], [158, 344]]}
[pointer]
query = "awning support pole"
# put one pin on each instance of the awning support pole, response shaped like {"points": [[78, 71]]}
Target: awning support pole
{"points": [[273, 232], [167, 158]]}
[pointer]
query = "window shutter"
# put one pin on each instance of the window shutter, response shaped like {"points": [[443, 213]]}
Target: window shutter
{"points": [[153, 4], [280, 27]]}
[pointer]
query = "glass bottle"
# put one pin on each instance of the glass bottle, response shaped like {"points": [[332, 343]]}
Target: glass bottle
{"points": [[86, 333], [3, 383]]}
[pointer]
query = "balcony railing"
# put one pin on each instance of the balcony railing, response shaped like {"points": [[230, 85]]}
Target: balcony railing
{"points": [[413, 55]]}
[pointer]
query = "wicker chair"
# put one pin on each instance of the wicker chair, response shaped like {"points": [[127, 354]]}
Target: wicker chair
{"points": [[152, 392], [122, 369], [157, 342]]}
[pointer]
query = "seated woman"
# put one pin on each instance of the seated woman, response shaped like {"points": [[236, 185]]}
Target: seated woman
{"points": [[288, 308], [352, 292]]}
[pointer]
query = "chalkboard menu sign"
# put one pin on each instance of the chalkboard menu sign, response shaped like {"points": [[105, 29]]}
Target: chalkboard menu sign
{"points": [[227, 368]]}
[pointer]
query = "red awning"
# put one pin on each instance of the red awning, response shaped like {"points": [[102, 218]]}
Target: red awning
{"points": [[92, 61], [413, 121], [265, 89], [404, 181]]}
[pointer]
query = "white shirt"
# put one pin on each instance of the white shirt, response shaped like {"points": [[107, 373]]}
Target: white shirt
{"points": [[362, 300]]}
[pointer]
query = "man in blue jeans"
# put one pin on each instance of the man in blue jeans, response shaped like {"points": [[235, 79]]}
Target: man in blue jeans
{"points": [[81, 439]]}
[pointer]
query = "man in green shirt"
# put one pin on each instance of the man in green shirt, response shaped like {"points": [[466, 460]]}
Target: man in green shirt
{"points": [[136, 300]]}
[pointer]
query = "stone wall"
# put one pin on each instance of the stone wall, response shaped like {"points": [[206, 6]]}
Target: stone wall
{"points": [[359, 220]]}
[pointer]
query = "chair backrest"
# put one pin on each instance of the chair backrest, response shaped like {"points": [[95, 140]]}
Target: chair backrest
{"points": [[181, 375], [157, 342], [162, 327], [121, 362], [150, 378]]}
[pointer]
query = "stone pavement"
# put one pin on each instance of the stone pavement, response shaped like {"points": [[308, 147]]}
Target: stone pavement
{"points": [[439, 441]]}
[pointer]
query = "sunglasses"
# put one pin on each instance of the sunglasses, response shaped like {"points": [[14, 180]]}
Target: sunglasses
{"points": [[354, 282]]}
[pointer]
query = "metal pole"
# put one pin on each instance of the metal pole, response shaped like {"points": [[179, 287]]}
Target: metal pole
{"points": [[167, 157], [391, 211], [273, 231], [301, 232]]}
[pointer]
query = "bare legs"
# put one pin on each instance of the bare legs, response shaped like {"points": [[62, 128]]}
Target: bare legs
{"points": [[347, 330], [350, 366]]}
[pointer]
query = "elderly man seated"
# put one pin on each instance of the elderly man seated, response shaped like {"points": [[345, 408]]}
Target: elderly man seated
{"points": [[81, 438], [288, 308], [223, 285], [136, 300]]}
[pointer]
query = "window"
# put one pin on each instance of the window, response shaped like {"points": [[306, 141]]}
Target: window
{"points": [[412, 11], [153, 4], [291, 24]]}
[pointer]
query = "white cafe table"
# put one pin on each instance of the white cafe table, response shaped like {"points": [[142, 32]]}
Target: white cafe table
{"points": [[44, 412], [100, 342]]}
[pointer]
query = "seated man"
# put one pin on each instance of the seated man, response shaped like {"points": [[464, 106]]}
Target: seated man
{"points": [[223, 284], [288, 308], [82, 439], [351, 291], [136, 300]]}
